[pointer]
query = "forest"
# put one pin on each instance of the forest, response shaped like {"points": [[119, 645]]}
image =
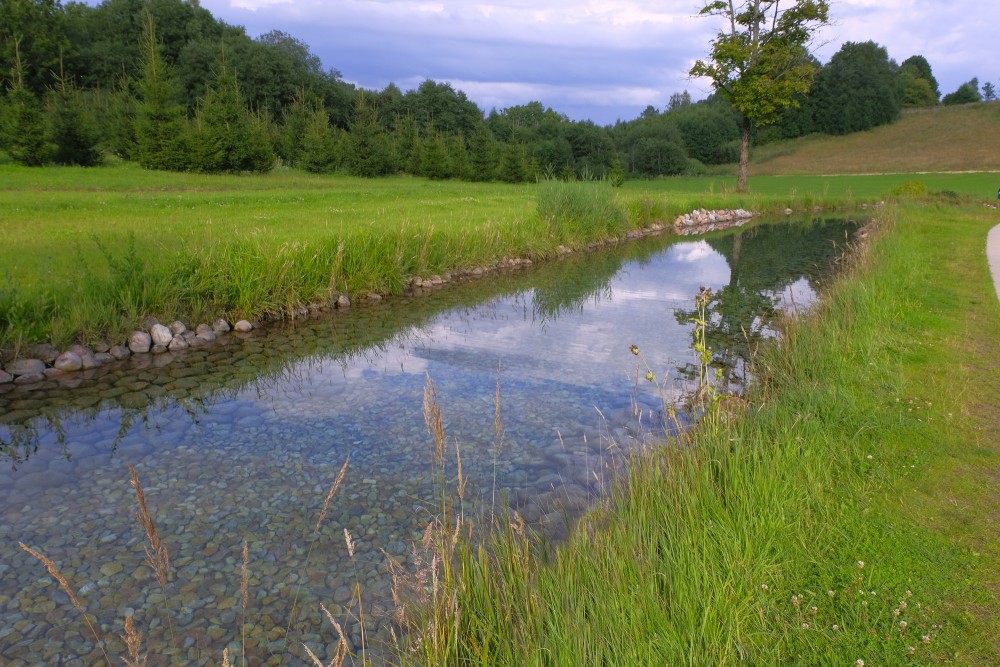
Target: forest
{"points": [[166, 85]]}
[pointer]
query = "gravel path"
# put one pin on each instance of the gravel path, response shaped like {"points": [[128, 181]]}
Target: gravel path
{"points": [[993, 256]]}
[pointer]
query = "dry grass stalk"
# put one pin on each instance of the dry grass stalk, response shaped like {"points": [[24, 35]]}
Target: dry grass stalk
{"points": [[329, 496], [350, 543], [496, 418], [157, 555], [245, 595], [51, 567], [461, 477], [432, 418], [133, 644], [245, 576], [225, 658], [342, 647]]}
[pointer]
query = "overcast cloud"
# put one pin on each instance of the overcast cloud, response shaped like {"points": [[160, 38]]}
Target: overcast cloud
{"points": [[598, 60]]}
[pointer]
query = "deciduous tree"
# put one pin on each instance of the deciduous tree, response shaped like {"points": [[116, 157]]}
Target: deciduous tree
{"points": [[760, 59]]}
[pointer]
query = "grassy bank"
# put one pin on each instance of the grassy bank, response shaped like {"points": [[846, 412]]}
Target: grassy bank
{"points": [[89, 252], [847, 518]]}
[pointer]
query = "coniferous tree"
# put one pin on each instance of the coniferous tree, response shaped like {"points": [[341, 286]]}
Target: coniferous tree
{"points": [[160, 121], [370, 152], [22, 126], [484, 157], [458, 156], [120, 123], [319, 153], [408, 146], [72, 129], [434, 161], [513, 168], [228, 139], [295, 125]]}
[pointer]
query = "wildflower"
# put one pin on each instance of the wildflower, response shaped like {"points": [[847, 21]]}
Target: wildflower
{"points": [[869, 457], [805, 626], [764, 586], [926, 639], [861, 564], [911, 650], [836, 627], [830, 593], [634, 349], [650, 376], [902, 625], [859, 663], [814, 610]]}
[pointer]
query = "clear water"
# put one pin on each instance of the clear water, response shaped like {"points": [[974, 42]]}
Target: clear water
{"points": [[242, 442]]}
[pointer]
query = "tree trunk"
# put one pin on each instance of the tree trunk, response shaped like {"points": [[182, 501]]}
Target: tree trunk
{"points": [[741, 180]]}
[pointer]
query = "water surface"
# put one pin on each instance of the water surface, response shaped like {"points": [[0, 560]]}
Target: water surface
{"points": [[242, 441]]}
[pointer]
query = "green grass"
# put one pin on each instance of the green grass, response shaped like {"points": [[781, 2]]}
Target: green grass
{"points": [[89, 252], [869, 440]]}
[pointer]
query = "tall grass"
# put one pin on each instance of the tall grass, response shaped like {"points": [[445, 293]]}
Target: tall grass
{"points": [[91, 252]]}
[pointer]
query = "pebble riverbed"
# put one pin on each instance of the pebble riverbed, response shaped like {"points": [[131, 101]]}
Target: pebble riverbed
{"points": [[242, 441]]}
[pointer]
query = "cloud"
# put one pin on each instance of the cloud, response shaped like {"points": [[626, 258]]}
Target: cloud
{"points": [[602, 60]]}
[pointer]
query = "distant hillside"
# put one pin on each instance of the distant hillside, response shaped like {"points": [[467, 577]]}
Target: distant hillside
{"points": [[962, 138]]}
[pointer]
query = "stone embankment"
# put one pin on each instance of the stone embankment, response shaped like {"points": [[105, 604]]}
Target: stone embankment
{"points": [[46, 362], [702, 221], [43, 362]]}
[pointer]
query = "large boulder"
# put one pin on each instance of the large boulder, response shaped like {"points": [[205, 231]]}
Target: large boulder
{"points": [[20, 367], [68, 362], [86, 356], [160, 334], [139, 342]]}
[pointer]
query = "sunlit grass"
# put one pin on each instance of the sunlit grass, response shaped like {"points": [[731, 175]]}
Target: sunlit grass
{"points": [[89, 252]]}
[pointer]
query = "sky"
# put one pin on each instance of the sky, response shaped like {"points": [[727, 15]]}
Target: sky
{"points": [[598, 60]]}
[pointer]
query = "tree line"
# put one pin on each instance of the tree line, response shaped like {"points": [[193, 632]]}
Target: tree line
{"points": [[166, 85]]}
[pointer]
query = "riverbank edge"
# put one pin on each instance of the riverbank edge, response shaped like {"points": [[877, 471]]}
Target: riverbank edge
{"points": [[845, 518], [42, 361]]}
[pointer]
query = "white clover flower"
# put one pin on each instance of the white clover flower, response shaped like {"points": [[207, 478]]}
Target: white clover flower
{"points": [[859, 663], [861, 564]]}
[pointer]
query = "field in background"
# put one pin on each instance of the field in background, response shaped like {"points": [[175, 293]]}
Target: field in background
{"points": [[963, 138]]}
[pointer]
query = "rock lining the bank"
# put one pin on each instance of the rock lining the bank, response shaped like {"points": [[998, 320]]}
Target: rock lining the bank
{"points": [[44, 361], [701, 221]]}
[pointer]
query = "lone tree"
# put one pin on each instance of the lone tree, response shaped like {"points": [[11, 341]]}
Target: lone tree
{"points": [[760, 60]]}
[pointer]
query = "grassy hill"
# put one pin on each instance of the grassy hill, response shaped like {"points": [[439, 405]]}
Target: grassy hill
{"points": [[963, 138]]}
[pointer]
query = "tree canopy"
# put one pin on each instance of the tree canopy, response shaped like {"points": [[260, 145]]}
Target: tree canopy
{"points": [[760, 60]]}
